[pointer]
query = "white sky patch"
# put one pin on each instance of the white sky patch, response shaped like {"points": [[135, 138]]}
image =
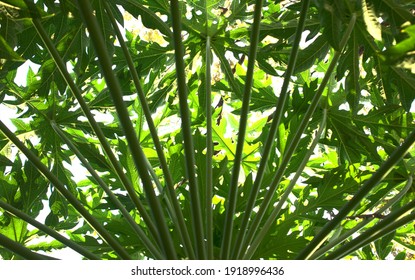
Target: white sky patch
{"points": [[22, 71]]}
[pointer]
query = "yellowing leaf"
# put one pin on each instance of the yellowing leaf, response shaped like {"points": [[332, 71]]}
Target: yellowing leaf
{"points": [[371, 21]]}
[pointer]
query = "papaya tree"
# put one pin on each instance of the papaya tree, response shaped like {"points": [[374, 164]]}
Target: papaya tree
{"points": [[207, 129]]}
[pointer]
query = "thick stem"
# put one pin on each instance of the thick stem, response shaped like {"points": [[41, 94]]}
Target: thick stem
{"points": [[94, 223], [283, 97], [297, 136], [392, 222], [275, 213], [197, 220], [114, 162], [144, 238], [21, 250], [343, 237], [177, 213], [243, 123], [383, 170], [209, 152], [137, 153], [51, 232]]}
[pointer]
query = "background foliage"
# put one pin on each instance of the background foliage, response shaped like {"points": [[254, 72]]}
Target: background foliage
{"points": [[318, 123]]}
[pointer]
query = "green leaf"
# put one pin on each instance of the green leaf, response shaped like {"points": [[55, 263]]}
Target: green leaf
{"points": [[94, 157], [332, 13], [402, 48], [7, 52], [403, 83], [351, 63], [354, 144], [46, 246], [152, 56], [315, 51], [384, 246], [367, 101], [128, 163]]}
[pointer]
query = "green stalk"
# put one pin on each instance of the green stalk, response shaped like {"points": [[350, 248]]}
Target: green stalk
{"points": [[297, 137], [51, 232], [114, 162], [336, 241], [94, 223], [146, 241], [177, 213], [134, 145], [209, 152], [392, 222], [273, 129], [21, 250], [379, 175], [233, 190], [187, 131], [275, 213]]}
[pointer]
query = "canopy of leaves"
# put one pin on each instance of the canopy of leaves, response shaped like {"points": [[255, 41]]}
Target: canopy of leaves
{"points": [[365, 110]]}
